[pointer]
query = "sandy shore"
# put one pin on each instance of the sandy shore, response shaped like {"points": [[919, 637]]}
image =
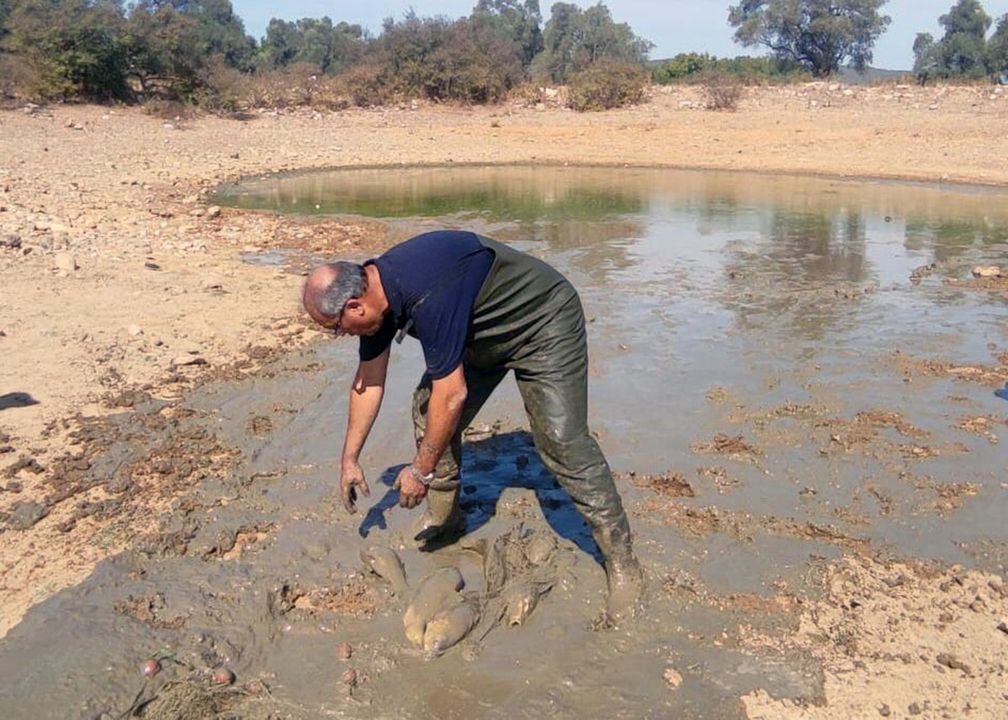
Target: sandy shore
{"points": [[116, 276]]}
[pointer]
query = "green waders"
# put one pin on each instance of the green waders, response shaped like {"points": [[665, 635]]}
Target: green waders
{"points": [[528, 318]]}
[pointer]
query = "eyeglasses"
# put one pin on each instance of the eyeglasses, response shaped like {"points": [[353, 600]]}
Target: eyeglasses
{"points": [[335, 329]]}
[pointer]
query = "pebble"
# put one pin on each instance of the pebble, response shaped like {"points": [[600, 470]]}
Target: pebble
{"points": [[65, 262], [213, 211], [952, 662], [184, 360], [24, 515], [150, 668], [884, 711], [222, 676], [349, 677], [1003, 626], [135, 330], [343, 651], [986, 271], [256, 688], [673, 678]]}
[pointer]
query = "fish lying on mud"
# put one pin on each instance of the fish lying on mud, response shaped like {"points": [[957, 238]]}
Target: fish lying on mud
{"points": [[436, 592], [451, 626], [386, 564], [521, 598]]}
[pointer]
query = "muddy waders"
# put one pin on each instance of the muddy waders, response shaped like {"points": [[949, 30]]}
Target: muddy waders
{"points": [[528, 319]]}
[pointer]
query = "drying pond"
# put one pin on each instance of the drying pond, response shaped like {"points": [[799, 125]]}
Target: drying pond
{"points": [[783, 371]]}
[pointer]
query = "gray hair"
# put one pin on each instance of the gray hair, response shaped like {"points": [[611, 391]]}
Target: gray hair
{"points": [[347, 282]]}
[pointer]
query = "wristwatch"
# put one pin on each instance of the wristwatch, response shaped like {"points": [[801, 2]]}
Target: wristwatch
{"points": [[425, 479]]}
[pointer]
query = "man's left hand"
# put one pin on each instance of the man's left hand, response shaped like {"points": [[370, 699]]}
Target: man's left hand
{"points": [[411, 490]]}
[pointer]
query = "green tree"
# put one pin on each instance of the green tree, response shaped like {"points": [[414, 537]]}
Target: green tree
{"points": [[310, 40], [446, 60], [73, 47], [280, 45], [573, 39], [818, 34], [473, 64], [997, 47], [964, 45], [219, 31], [513, 20], [927, 57], [163, 54]]}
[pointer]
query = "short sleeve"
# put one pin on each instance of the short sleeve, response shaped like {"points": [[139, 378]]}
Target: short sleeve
{"points": [[371, 346]]}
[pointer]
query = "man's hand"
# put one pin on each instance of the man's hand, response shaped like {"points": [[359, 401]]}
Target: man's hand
{"points": [[411, 490], [352, 479]]}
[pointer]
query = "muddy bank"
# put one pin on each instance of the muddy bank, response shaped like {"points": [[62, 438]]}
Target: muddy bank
{"points": [[771, 593]]}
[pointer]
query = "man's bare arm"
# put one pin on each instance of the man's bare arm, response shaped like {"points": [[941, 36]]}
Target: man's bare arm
{"points": [[365, 402]]}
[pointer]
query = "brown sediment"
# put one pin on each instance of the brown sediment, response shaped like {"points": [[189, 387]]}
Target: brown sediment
{"points": [[893, 634], [983, 425], [986, 374], [705, 520], [735, 447], [353, 597], [668, 484]]}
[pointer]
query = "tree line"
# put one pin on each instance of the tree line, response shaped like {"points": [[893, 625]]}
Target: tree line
{"points": [[199, 51], [195, 49], [964, 50]]}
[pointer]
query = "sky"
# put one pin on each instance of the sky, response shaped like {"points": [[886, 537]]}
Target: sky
{"points": [[674, 26]]}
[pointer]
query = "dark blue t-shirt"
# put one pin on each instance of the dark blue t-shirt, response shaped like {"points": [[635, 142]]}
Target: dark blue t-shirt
{"points": [[431, 282]]}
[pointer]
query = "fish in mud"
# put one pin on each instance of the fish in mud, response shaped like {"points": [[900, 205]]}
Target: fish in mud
{"points": [[436, 592], [385, 563], [539, 548], [495, 567], [521, 599], [449, 627]]}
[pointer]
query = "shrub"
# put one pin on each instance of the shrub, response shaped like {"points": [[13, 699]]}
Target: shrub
{"points": [[607, 84], [721, 91], [222, 88], [683, 65], [530, 94], [440, 60], [168, 109], [695, 67], [364, 85], [23, 79]]}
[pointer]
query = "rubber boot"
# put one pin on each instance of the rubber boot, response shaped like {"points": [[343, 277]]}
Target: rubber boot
{"points": [[443, 521], [624, 576]]}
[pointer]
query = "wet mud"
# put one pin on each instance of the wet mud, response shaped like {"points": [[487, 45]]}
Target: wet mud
{"points": [[814, 466]]}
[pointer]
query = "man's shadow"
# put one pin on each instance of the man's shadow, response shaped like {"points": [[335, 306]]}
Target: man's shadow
{"points": [[490, 466]]}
